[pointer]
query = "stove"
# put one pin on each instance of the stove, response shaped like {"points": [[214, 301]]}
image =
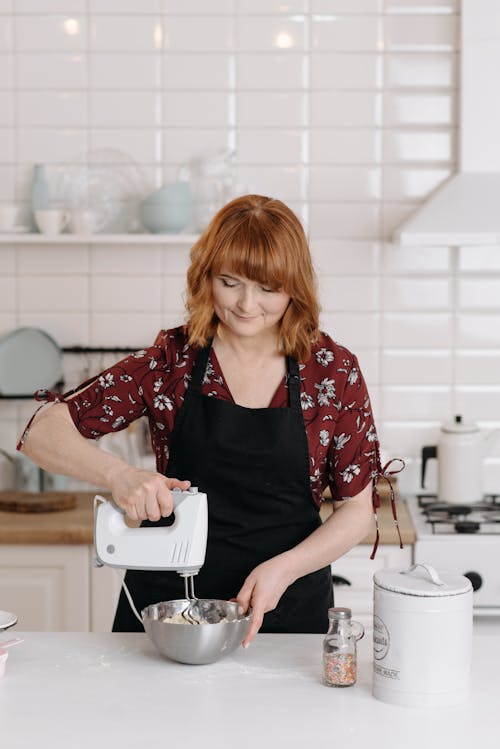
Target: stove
{"points": [[463, 539]]}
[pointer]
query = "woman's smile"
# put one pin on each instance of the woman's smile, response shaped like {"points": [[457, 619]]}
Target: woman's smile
{"points": [[245, 306]]}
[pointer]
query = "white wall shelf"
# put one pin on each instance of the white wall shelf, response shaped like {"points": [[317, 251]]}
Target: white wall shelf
{"points": [[117, 239]]}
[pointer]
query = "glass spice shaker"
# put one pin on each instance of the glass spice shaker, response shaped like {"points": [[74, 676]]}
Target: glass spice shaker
{"points": [[339, 648]]}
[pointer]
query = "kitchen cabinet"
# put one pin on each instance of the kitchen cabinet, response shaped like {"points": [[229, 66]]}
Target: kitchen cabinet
{"points": [[47, 575], [56, 587], [105, 586]]}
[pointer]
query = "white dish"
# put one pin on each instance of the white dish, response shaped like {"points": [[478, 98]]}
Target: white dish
{"points": [[30, 359], [7, 619], [16, 230]]}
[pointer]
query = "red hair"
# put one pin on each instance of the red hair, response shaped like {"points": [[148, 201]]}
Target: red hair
{"points": [[261, 239]]}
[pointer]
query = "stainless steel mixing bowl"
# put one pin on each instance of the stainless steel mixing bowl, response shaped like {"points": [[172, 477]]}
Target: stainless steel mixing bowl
{"points": [[222, 633]]}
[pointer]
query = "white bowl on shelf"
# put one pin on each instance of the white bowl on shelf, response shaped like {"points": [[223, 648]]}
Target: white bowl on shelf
{"points": [[7, 619]]}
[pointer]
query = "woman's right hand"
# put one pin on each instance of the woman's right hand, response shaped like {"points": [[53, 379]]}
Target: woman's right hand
{"points": [[142, 494]]}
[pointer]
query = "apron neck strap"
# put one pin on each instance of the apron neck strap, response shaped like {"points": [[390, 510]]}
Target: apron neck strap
{"points": [[199, 369], [292, 376], [293, 382]]}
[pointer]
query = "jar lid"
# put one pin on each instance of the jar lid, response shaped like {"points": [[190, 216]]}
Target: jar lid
{"points": [[339, 613], [422, 580]]}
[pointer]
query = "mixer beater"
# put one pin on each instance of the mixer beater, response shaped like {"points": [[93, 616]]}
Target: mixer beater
{"points": [[179, 547], [192, 612]]}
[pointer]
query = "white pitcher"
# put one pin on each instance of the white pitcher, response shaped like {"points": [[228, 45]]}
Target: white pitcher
{"points": [[460, 452]]}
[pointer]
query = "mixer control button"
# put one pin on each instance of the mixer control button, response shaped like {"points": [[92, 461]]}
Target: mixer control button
{"points": [[193, 490], [110, 549]]}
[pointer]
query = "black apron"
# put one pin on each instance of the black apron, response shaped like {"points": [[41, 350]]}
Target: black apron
{"points": [[253, 464]]}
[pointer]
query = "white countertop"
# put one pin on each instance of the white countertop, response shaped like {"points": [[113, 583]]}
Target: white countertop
{"points": [[87, 690]]}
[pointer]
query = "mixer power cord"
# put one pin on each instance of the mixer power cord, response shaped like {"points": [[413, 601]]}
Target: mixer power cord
{"points": [[129, 597]]}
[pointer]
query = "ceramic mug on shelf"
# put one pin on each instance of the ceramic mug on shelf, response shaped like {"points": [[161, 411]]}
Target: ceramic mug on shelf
{"points": [[82, 221], [8, 216], [51, 221]]}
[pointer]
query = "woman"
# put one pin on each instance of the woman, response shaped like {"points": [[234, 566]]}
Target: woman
{"points": [[253, 404]]}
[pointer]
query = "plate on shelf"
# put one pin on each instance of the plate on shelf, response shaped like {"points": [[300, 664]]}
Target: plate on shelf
{"points": [[7, 619], [29, 359], [16, 230], [107, 182]]}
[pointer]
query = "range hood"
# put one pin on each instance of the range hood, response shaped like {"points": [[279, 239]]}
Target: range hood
{"points": [[466, 209]]}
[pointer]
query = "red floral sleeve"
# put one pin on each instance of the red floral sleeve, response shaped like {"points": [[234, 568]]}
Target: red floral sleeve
{"points": [[353, 454], [151, 382], [116, 397], [113, 399]]}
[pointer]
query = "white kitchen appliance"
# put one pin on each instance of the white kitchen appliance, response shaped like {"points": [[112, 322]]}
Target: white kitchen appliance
{"points": [[179, 547], [464, 539], [422, 635], [460, 453]]}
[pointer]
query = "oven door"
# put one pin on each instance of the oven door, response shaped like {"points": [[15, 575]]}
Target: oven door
{"points": [[476, 557]]}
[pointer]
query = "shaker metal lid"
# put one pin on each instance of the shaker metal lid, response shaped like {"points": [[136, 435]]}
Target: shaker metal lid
{"points": [[422, 580]]}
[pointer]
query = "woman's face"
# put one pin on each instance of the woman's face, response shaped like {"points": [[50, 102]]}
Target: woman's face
{"points": [[246, 307]]}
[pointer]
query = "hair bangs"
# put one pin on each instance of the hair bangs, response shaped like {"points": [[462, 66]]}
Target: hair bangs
{"points": [[255, 255]]}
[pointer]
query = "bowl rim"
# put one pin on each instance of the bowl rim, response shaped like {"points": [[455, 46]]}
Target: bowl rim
{"points": [[246, 618]]}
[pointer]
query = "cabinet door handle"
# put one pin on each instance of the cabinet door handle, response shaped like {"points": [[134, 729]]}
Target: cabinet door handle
{"points": [[338, 580]]}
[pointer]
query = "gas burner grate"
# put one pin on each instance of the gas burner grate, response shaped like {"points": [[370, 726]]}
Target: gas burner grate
{"points": [[447, 511], [488, 503], [445, 518]]}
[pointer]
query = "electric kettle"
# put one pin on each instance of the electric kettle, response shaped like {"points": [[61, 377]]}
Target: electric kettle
{"points": [[460, 452]]}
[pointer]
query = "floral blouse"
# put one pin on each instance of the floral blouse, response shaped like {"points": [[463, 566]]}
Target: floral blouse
{"points": [[343, 443]]}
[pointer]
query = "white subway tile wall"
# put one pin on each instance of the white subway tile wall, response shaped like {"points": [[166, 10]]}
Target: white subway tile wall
{"points": [[344, 108]]}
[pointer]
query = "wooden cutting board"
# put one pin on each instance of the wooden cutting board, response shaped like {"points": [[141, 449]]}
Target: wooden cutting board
{"points": [[34, 502]]}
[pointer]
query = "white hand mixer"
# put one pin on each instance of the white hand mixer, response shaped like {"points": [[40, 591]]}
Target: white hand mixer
{"points": [[179, 547]]}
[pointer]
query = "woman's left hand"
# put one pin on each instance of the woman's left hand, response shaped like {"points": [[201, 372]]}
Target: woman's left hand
{"points": [[262, 590]]}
